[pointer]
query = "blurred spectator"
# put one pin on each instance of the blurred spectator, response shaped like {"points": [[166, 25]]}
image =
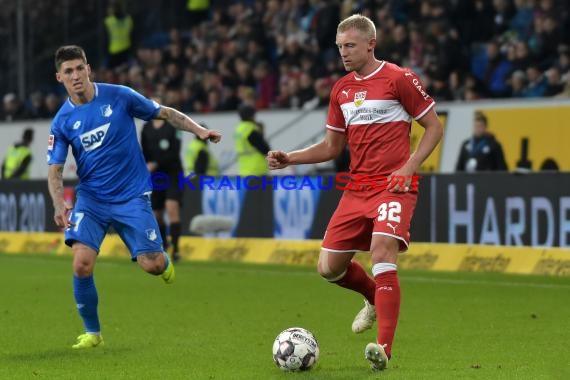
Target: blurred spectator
{"points": [[135, 80], [537, 85], [401, 44], [266, 85], [214, 101], [416, 49], [521, 59], [172, 75], [244, 75], [477, 20], [230, 100], [565, 93], [323, 87], [289, 93], [306, 90], [456, 89], [522, 20], [52, 103], [563, 61], [199, 159], [437, 88], [481, 152], [550, 38], [504, 11], [16, 164], [119, 26], [235, 47], [37, 107], [197, 11], [496, 71], [553, 82], [324, 26], [517, 83], [173, 97], [473, 88], [250, 144], [13, 108], [175, 54], [246, 95]]}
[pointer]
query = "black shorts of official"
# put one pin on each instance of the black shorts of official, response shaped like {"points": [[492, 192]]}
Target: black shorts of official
{"points": [[172, 192]]}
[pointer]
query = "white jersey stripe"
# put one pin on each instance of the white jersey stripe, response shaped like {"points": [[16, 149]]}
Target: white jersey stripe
{"points": [[374, 111], [336, 129], [424, 111]]}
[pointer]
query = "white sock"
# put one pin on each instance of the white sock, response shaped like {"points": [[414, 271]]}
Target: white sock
{"points": [[382, 268]]}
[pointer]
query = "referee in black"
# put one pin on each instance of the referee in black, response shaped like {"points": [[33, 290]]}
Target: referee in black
{"points": [[160, 143]]}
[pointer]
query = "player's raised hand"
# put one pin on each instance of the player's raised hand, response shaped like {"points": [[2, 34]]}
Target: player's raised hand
{"points": [[213, 136], [277, 159], [61, 216]]}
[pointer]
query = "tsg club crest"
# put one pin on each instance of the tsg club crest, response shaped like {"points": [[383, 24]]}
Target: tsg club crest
{"points": [[106, 110], [359, 98], [151, 234]]}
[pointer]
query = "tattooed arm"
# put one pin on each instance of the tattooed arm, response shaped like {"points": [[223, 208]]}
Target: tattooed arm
{"points": [[55, 185], [184, 123]]}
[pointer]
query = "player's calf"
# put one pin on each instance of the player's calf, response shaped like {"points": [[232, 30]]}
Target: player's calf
{"points": [[153, 263], [158, 264]]}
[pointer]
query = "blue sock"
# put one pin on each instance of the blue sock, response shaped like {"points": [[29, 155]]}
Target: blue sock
{"points": [[166, 260], [86, 299]]}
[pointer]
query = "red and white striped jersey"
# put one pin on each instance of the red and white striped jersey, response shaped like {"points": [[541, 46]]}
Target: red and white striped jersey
{"points": [[375, 112]]}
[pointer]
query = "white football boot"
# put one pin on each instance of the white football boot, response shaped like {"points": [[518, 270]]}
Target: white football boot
{"points": [[364, 319], [376, 355]]}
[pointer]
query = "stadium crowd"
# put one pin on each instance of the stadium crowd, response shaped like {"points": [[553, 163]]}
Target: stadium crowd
{"points": [[281, 54]]}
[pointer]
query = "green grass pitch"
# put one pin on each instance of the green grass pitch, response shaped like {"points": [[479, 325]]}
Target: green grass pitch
{"points": [[219, 320]]}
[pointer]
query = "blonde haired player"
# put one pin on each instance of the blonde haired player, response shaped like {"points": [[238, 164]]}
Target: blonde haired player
{"points": [[371, 110]]}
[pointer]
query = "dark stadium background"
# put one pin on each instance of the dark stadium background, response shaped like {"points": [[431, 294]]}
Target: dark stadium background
{"points": [[281, 54]]}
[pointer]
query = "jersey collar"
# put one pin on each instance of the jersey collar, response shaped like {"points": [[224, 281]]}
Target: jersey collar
{"points": [[372, 73], [94, 96]]}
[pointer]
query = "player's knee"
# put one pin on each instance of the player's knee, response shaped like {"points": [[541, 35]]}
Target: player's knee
{"points": [[329, 273], [82, 268], [385, 251]]}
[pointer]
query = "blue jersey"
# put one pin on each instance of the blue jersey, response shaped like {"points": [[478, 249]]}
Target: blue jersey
{"points": [[103, 139]]}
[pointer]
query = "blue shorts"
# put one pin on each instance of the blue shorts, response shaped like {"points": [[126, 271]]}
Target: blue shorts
{"points": [[133, 220]]}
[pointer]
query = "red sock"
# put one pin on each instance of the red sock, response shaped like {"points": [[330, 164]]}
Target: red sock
{"points": [[387, 307], [358, 280]]}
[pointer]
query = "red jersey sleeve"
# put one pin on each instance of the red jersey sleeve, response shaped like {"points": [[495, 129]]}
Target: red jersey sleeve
{"points": [[412, 94], [335, 117]]}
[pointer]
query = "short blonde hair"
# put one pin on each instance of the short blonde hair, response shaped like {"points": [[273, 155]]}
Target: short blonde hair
{"points": [[360, 23]]}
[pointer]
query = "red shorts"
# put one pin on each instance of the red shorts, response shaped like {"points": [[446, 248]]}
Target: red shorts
{"points": [[361, 214]]}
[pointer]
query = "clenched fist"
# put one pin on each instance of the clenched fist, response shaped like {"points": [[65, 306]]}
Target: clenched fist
{"points": [[277, 159]]}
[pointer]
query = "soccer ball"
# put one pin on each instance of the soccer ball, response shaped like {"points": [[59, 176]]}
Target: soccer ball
{"points": [[295, 349]]}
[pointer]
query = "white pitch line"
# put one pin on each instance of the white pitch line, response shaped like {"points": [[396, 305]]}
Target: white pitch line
{"points": [[424, 279], [483, 282]]}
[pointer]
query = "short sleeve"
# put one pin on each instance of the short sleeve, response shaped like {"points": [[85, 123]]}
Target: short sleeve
{"points": [[412, 94], [138, 105], [58, 144], [335, 117]]}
